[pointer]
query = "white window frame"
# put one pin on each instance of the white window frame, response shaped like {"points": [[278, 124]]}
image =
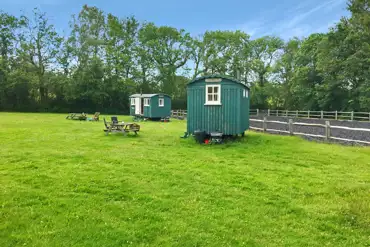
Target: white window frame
{"points": [[146, 101], [132, 101], [213, 102], [161, 102], [245, 93]]}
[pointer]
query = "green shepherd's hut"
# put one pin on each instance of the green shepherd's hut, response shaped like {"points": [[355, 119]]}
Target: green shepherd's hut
{"points": [[217, 106], [152, 106]]}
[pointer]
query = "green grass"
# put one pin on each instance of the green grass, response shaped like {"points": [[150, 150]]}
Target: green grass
{"points": [[64, 183]]}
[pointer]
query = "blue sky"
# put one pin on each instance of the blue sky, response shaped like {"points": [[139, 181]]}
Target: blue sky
{"points": [[257, 18]]}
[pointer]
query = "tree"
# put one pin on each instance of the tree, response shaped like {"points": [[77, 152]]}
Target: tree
{"points": [[170, 49], [284, 70], [40, 46], [306, 77], [9, 37], [265, 51], [105, 58]]}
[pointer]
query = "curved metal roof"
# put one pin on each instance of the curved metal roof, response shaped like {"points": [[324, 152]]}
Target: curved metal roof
{"points": [[218, 76], [148, 95]]}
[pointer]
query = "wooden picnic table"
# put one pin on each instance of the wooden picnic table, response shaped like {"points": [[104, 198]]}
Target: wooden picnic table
{"points": [[121, 127], [77, 116]]}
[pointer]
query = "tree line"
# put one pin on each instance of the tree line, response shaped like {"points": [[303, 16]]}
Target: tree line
{"points": [[104, 58]]}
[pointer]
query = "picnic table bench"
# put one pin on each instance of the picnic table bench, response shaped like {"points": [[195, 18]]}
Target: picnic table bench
{"points": [[77, 116], [120, 127]]}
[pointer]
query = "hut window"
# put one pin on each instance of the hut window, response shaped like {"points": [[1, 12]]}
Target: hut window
{"points": [[161, 102], [245, 93], [132, 101], [213, 95], [147, 101]]}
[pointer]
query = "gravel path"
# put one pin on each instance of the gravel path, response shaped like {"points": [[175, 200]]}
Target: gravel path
{"points": [[341, 133]]}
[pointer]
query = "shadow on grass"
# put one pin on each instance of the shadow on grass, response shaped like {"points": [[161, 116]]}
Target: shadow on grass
{"points": [[254, 139], [121, 135]]}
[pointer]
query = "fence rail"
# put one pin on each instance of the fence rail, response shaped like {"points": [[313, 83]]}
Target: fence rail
{"points": [[337, 115], [180, 114], [327, 127]]}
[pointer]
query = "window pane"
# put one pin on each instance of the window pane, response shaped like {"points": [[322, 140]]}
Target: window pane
{"points": [[210, 97], [215, 89], [209, 89], [215, 97]]}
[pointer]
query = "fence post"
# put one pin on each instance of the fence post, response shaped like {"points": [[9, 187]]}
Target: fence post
{"points": [[277, 112], [258, 111], [264, 125], [268, 112], [291, 127], [327, 130], [336, 115], [308, 115], [352, 116], [296, 114], [286, 113], [322, 114]]}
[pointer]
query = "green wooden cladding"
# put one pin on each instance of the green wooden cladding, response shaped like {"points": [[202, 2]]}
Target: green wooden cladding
{"points": [[153, 111], [229, 118]]}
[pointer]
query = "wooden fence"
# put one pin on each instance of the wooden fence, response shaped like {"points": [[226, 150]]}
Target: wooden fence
{"points": [[337, 115], [291, 124], [181, 114]]}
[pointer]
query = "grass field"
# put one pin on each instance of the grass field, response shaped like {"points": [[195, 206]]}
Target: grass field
{"points": [[64, 183]]}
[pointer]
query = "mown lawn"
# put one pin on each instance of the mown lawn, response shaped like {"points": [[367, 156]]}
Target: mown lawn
{"points": [[64, 183]]}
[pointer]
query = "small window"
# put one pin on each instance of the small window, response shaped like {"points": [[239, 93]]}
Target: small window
{"points": [[132, 101], [161, 102], [245, 93], [213, 95], [146, 101]]}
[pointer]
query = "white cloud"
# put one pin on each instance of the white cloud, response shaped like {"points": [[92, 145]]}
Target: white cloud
{"points": [[252, 28], [306, 29], [292, 23], [299, 24]]}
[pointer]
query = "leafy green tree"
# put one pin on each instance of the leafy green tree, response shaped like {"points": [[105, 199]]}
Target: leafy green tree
{"points": [[105, 58], [264, 52], [170, 49], [284, 71], [40, 46], [9, 37]]}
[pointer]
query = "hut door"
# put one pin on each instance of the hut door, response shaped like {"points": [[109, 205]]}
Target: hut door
{"points": [[137, 106], [142, 106]]}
